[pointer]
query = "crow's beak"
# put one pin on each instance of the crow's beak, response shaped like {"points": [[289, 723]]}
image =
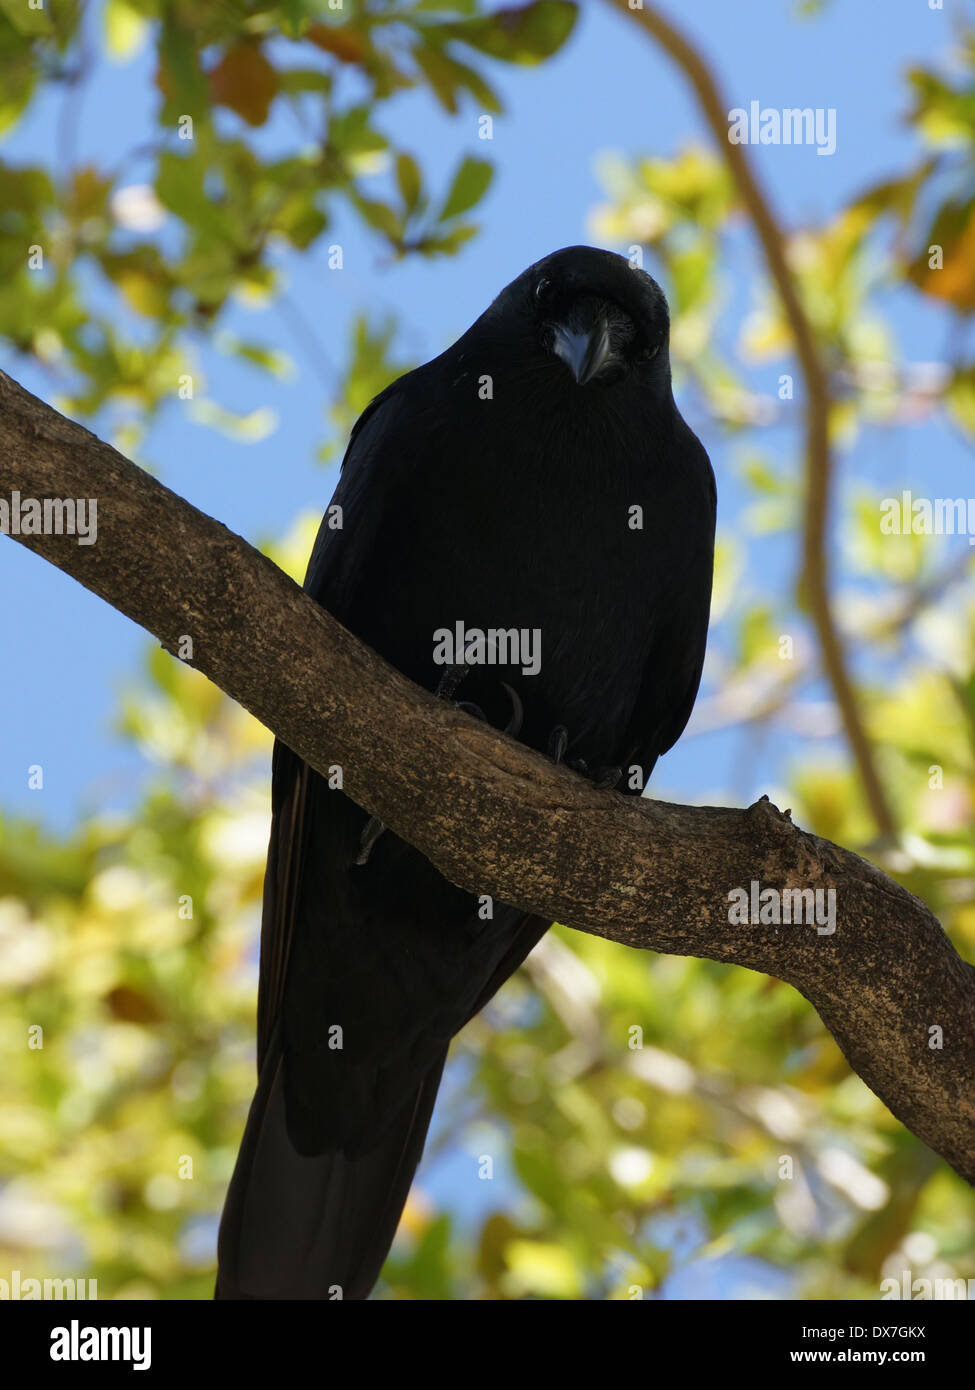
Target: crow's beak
{"points": [[585, 354]]}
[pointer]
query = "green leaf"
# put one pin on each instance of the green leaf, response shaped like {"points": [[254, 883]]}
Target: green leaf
{"points": [[944, 114], [351, 133], [278, 363], [409, 180], [294, 81], [759, 475], [29, 21], [294, 18], [248, 428], [520, 34], [181, 78], [440, 72], [447, 244], [180, 187], [446, 76], [471, 182], [300, 219], [446, 6], [16, 89], [960, 400], [379, 215]]}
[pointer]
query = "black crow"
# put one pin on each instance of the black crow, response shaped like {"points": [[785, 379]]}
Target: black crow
{"points": [[527, 528]]}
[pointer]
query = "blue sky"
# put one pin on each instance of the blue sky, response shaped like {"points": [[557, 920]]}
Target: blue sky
{"points": [[610, 90], [68, 655]]}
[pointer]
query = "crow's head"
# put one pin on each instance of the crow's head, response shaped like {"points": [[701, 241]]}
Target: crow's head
{"points": [[599, 316]]}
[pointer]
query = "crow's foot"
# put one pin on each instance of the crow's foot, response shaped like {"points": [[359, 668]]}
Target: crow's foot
{"points": [[449, 682], [602, 778]]}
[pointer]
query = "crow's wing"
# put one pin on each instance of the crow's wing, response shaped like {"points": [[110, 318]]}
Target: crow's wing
{"points": [[291, 777], [675, 660], [388, 951]]}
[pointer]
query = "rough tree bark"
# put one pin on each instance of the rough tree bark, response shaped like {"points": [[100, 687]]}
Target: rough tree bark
{"points": [[495, 817]]}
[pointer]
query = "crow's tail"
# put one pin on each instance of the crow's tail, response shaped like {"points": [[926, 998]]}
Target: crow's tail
{"points": [[297, 1227]]}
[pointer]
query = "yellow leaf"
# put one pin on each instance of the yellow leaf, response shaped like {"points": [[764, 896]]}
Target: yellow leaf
{"points": [[125, 30], [549, 1270]]}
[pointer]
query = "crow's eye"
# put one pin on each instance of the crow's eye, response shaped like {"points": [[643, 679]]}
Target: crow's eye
{"points": [[543, 290]]}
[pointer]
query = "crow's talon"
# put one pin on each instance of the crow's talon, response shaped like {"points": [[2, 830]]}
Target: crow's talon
{"points": [[470, 708], [371, 832], [513, 726], [558, 741], [450, 680], [604, 779], [454, 676], [448, 683]]}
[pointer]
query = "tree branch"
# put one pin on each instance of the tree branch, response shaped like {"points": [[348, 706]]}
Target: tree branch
{"points": [[814, 581], [497, 818]]}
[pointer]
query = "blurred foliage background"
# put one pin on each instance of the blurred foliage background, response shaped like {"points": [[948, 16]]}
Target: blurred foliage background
{"points": [[131, 941]]}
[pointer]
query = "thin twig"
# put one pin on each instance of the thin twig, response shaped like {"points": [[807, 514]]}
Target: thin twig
{"points": [[814, 576]]}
